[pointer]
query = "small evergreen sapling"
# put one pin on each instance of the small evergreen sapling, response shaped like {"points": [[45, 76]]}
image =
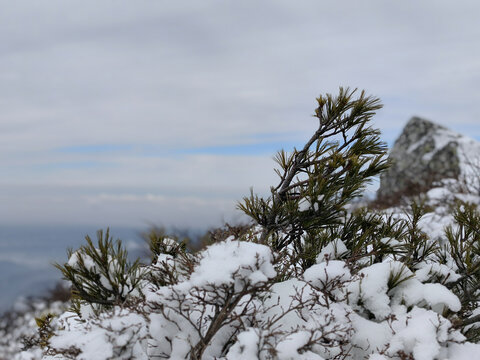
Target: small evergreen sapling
{"points": [[318, 181], [462, 251], [101, 274]]}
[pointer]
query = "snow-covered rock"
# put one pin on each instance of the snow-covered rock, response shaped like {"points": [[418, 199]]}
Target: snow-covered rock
{"points": [[426, 153]]}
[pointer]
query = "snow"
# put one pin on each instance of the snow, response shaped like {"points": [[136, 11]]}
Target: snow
{"points": [[246, 347], [437, 294], [466, 351], [327, 276], [377, 357], [288, 349], [468, 153], [441, 272], [21, 323], [101, 339], [370, 335], [333, 250], [78, 258], [421, 333], [281, 299], [164, 260], [438, 193], [239, 262]]}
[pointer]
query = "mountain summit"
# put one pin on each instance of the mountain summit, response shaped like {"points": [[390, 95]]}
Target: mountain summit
{"points": [[425, 154]]}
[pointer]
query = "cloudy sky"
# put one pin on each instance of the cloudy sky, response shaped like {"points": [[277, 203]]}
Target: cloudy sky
{"points": [[166, 112]]}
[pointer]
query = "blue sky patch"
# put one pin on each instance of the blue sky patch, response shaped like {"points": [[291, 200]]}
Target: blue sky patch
{"points": [[257, 148], [268, 148]]}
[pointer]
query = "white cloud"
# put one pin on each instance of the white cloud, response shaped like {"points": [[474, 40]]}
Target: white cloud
{"points": [[194, 74]]}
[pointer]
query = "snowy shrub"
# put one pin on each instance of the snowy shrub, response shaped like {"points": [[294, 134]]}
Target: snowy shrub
{"points": [[206, 310], [18, 325], [310, 279], [114, 334]]}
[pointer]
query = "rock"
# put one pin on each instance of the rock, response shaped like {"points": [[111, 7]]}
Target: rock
{"points": [[424, 155]]}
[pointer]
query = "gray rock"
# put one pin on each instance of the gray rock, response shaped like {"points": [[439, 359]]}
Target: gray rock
{"points": [[424, 154]]}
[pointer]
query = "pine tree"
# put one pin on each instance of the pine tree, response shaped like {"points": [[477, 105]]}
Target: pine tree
{"points": [[317, 182], [101, 274]]}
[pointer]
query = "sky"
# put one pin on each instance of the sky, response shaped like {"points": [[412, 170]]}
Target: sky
{"points": [[140, 113]]}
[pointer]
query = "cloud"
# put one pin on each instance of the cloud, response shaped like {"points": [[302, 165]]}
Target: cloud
{"points": [[114, 206], [196, 96]]}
